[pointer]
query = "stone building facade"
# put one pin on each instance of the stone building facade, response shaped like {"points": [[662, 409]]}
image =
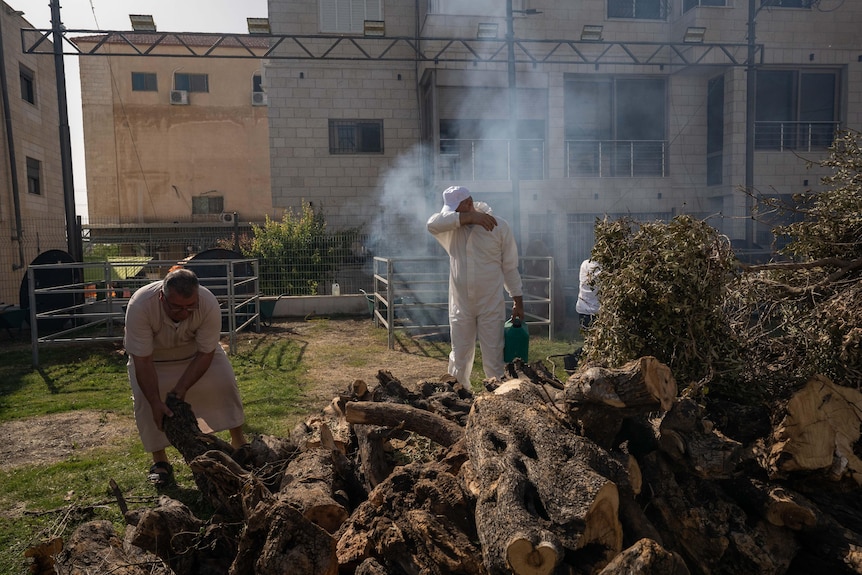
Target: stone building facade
{"points": [[635, 120], [32, 213]]}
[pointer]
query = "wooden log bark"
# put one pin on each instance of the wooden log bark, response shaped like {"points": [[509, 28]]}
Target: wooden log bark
{"points": [[697, 519], [374, 465], [226, 485], [434, 427], [419, 520], [644, 384], [309, 483], [646, 557], [818, 433], [600, 400], [689, 439], [537, 499], [186, 543], [277, 539], [94, 547], [185, 434], [774, 503]]}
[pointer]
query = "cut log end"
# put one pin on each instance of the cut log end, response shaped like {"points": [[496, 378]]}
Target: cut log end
{"points": [[527, 559]]}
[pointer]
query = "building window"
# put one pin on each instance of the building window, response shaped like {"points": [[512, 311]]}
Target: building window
{"points": [[202, 205], [689, 4], [144, 82], [34, 176], [478, 149], [715, 131], [638, 9], [348, 16], [257, 83], [462, 8], [28, 84], [796, 110], [355, 136], [788, 3], [191, 82], [615, 126]]}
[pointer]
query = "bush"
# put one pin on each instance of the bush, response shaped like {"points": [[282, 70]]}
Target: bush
{"points": [[662, 288], [292, 253]]}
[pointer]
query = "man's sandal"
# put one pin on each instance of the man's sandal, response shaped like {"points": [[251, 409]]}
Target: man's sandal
{"points": [[161, 474]]}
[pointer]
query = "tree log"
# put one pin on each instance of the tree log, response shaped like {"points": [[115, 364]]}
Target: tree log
{"points": [[226, 485], [533, 482], [776, 504], [646, 557], [819, 432], [94, 547], [644, 384], [373, 463], [419, 520], [427, 424], [689, 439], [309, 483], [277, 539], [713, 534], [185, 434], [183, 541]]}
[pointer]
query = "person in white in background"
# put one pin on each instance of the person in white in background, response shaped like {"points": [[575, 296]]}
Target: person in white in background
{"points": [[588, 294], [483, 260], [172, 337]]}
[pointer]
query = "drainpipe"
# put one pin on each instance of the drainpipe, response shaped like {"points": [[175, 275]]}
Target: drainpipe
{"points": [[13, 164]]}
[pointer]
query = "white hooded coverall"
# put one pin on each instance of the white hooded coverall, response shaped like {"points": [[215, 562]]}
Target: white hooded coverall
{"points": [[481, 264]]}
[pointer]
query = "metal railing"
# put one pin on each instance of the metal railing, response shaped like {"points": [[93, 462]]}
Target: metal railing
{"points": [[616, 158], [412, 295], [801, 136], [86, 302], [489, 159]]}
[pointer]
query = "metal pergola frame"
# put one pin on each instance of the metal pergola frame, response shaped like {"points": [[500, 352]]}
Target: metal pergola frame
{"points": [[389, 48]]}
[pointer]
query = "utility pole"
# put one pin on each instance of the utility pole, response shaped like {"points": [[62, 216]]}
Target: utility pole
{"points": [[514, 158], [750, 110], [73, 232]]}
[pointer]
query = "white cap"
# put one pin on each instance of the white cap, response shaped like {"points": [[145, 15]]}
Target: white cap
{"points": [[453, 196]]}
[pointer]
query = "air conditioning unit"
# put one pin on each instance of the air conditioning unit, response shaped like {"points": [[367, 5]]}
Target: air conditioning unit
{"points": [[227, 217], [258, 98], [179, 97]]}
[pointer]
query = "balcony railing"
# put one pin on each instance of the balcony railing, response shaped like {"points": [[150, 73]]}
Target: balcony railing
{"points": [[616, 158], [801, 136], [470, 160]]}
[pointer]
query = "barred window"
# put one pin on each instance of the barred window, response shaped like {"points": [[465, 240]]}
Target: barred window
{"points": [[207, 205], [355, 136]]}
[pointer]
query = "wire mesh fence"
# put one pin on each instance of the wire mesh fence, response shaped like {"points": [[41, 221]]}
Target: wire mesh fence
{"points": [[307, 265]]}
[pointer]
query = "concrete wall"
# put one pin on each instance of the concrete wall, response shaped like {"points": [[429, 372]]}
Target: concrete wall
{"points": [[146, 158]]}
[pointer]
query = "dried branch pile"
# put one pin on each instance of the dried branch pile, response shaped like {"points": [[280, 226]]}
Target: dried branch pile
{"points": [[610, 472]]}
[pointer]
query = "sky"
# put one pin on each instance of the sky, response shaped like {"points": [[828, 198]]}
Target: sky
{"points": [[227, 16]]}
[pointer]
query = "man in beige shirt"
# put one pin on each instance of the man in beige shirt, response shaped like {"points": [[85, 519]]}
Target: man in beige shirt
{"points": [[173, 328]]}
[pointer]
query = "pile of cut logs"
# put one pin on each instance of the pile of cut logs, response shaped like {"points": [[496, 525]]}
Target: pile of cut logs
{"points": [[609, 472]]}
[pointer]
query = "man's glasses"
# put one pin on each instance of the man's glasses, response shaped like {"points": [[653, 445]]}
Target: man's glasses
{"points": [[174, 308]]}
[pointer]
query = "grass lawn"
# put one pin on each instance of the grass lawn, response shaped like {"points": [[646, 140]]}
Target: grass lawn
{"points": [[41, 501]]}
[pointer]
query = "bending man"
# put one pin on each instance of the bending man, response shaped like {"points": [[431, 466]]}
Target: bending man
{"points": [[172, 337], [483, 260]]}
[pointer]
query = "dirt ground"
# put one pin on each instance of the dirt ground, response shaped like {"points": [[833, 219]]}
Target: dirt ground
{"points": [[45, 439]]}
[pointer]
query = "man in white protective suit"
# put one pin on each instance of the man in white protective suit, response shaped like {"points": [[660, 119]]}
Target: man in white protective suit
{"points": [[483, 260]]}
